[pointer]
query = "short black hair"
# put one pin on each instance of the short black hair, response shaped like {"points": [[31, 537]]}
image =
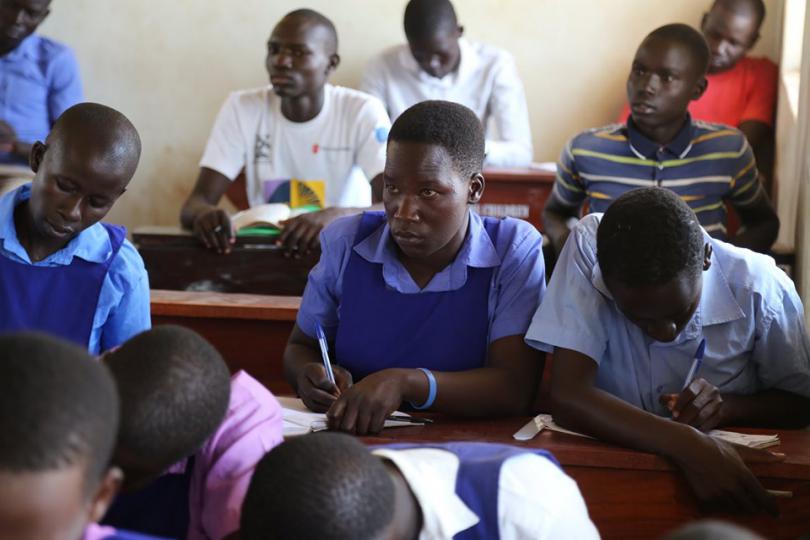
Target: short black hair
{"points": [[174, 388], [452, 126], [426, 18], [323, 485], [649, 236], [111, 133], [318, 19], [59, 408], [752, 7], [690, 38]]}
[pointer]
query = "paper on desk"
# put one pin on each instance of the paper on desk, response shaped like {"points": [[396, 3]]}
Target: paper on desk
{"points": [[545, 421], [298, 420], [545, 166]]}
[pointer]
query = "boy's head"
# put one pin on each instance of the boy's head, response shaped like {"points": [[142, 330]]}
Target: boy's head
{"points": [[175, 390], [301, 53], [82, 168], [432, 174], [433, 32], [652, 253], [58, 419], [323, 485], [731, 28], [668, 71], [19, 19]]}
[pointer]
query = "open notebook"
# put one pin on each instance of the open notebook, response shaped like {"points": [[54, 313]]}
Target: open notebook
{"points": [[544, 421], [298, 420]]}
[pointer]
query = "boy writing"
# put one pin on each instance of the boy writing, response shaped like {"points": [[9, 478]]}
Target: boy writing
{"points": [[640, 292]]}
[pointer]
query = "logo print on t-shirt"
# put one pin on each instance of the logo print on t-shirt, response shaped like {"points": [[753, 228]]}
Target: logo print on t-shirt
{"points": [[315, 148], [262, 147]]}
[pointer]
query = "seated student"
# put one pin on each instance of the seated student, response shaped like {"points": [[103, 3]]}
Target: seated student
{"points": [[428, 302], [58, 416], [706, 164], [40, 79], [437, 63], [190, 435], [330, 486], [61, 270], [299, 127], [637, 291], [741, 89]]}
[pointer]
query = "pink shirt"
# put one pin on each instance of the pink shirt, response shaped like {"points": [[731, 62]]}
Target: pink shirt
{"points": [[224, 465]]}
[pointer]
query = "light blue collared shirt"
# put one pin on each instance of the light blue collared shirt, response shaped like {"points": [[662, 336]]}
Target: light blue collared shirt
{"points": [[38, 81], [123, 303], [749, 313], [518, 282]]}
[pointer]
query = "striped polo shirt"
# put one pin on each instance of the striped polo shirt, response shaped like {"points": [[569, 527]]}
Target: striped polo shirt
{"points": [[705, 164]]}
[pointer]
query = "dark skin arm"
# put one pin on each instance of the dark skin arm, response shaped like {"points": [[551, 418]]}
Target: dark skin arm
{"points": [[714, 469], [10, 143], [555, 221], [212, 225], [761, 138], [504, 387], [760, 225]]}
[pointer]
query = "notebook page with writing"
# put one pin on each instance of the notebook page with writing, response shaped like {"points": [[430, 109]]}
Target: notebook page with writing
{"points": [[298, 420]]}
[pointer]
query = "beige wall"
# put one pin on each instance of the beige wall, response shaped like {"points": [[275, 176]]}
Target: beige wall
{"points": [[169, 64]]}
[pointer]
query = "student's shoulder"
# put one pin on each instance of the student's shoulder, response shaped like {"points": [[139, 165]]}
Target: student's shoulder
{"points": [[516, 233], [490, 54], [349, 99], [390, 58], [749, 273], [250, 99], [50, 48], [759, 66], [127, 267], [247, 391], [715, 137], [610, 137]]}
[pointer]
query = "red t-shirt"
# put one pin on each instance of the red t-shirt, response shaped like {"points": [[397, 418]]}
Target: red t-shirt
{"points": [[745, 92]]}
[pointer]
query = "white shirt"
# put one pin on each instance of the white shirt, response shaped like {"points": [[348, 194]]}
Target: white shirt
{"points": [[536, 500], [486, 81], [343, 146]]}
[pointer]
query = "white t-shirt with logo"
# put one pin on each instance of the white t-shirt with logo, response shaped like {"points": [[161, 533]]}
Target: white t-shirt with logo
{"points": [[344, 146]]}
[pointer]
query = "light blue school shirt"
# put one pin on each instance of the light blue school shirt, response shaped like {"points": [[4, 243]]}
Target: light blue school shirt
{"points": [[38, 81], [749, 313], [518, 281], [123, 303]]}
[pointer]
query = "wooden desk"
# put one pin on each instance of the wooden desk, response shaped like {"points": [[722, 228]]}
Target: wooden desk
{"points": [[632, 494], [249, 330], [176, 260], [519, 193]]}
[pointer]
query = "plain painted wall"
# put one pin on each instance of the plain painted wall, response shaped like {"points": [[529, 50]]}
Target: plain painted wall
{"points": [[168, 65]]}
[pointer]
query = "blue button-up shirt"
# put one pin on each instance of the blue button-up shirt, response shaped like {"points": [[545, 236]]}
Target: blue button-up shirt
{"points": [[749, 313], [123, 303], [38, 81], [518, 282]]}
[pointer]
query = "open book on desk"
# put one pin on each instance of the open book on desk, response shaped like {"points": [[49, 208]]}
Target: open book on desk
{"points": [[545, 421], [298, 420]]}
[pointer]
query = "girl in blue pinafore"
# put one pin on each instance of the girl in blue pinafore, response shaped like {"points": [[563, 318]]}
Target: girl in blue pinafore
{"points": [[426, 303]]}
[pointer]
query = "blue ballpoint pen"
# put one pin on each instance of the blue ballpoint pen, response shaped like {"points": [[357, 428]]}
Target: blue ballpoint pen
{"points": [[695, 364], [325, 353]]}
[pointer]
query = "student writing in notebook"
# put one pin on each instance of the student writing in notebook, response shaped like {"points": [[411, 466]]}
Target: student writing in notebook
{"points": [[58, 417], [426, 303], [635, 292], [438, 63], [299, 127], [741, 89], [62, 271], [190, 436], [329, 485], [708, 165]]}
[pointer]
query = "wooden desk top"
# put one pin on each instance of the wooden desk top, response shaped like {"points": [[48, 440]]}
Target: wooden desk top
{"points": [[526, 175], [573, 451], [224, 305]]}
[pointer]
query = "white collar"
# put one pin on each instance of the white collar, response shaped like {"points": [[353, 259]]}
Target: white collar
{"points": [[431, 474]]}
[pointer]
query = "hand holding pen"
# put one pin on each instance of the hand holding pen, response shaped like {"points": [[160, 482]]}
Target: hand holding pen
{"points": [[699, 403], [321, 383]]}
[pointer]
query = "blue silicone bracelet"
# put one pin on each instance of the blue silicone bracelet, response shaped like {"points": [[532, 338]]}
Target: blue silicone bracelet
{"points": [[431, 390]]}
